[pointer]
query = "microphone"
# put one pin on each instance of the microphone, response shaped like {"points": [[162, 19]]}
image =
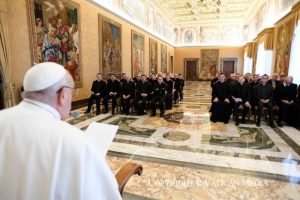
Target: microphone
{"points": [[74, 114]]}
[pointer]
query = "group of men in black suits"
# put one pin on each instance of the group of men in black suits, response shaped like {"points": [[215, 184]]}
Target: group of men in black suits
{"points": [[140, 92], [240, 94]]}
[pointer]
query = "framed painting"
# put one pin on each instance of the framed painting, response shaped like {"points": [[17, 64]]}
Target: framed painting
{"points": [[137, 53], [110, 40], [55, 34], [164, 57], [153, 56], [209, 63]]}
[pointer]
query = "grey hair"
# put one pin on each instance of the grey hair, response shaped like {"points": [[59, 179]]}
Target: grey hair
{"points": [[48, 95]]}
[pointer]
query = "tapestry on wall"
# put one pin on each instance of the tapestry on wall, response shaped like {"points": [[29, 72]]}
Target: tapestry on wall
{"points": [[110, 47], [137, 53], [164, 57], [55, 34], [283, 47], [153, 56], [209, 63]]}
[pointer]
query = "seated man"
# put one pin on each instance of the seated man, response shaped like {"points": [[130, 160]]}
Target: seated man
{"points": [[127, 93], [158, 95], [113, 92], [241, 97], [44, 157], [264, 98], [98, 91], [143, 90], [221, 104], [287, 98]]}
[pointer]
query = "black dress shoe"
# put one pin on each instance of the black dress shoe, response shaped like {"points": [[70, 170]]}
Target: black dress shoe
{"points": [[161, 115], [258, 124], [279, 124], [86, 112], [97, 113], [237, 123], [152, 115], [243, 121], [272, 125]]}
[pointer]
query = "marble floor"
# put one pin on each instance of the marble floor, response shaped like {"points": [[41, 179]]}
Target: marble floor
{"points": [[185, 156]]}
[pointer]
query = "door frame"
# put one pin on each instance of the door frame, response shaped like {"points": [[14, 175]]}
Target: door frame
{"points": [[185, 60], [235, 60]]}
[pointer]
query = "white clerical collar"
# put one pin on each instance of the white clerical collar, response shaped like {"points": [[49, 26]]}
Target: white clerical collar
{"points": [[43, 106]]}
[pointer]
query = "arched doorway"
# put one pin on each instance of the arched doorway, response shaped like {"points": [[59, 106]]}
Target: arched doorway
{"points": [[1, 93]]}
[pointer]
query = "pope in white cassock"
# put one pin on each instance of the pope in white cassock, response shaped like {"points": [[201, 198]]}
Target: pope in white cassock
{"points": [[43, 157]]}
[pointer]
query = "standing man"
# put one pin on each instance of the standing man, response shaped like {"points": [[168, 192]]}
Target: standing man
{"points": [[220, 104], [170, 90], [113, 92], [264, 97], [181, 83], [98, 91], [159, 92], [44, 157]]}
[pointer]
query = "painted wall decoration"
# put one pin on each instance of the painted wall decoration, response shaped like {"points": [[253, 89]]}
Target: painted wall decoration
{"points": [[137, 52], [209, 63], [153, 56], [164, 57], [135, 9], [150, 17], [110, 46], [55, 34], [283, 47]]}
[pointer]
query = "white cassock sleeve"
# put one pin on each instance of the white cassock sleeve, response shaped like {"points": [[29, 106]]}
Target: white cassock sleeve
{"points": [[98, 180]]}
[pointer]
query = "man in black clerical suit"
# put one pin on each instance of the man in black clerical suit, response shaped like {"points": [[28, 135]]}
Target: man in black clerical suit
{"points": [[241, 97], [220, 101], [287, 101], [264, 96], [169, 95], [127, 94], [143, 90], [123, 78], [176, 88], [158, 95], [98, 90], [113, 92], [252, 85], [181, 83]]}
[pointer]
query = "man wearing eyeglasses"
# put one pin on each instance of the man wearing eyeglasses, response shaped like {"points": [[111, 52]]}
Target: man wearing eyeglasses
{"points": [[43, 157]]}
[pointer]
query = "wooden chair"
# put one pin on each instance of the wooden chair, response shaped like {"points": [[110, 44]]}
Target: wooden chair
{"points": [[126, 172]]}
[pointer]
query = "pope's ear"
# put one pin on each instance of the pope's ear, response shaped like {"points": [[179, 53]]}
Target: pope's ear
{"points": [[61, 96]]}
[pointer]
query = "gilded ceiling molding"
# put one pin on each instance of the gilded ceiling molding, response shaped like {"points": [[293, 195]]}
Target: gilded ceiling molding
{"points": [[267, 36]]}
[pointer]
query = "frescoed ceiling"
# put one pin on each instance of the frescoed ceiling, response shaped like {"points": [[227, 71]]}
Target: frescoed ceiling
{"points": [[208, 12]]}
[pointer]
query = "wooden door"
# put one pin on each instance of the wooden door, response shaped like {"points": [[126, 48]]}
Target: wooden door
{"points": [[228, 67], [191, 70]]}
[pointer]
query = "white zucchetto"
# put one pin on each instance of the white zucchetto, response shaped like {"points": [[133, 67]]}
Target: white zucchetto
{"points": [[42, 76]]}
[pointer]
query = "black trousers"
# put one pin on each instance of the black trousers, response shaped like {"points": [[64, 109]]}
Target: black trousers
{"points": [[126, 105], [268, 105], [91, 101], [181, 94], [114, 102], [161, 101], [220, 112], [169, 101], [287, 113], [176, 96], [140, 104], [236, 111]]}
